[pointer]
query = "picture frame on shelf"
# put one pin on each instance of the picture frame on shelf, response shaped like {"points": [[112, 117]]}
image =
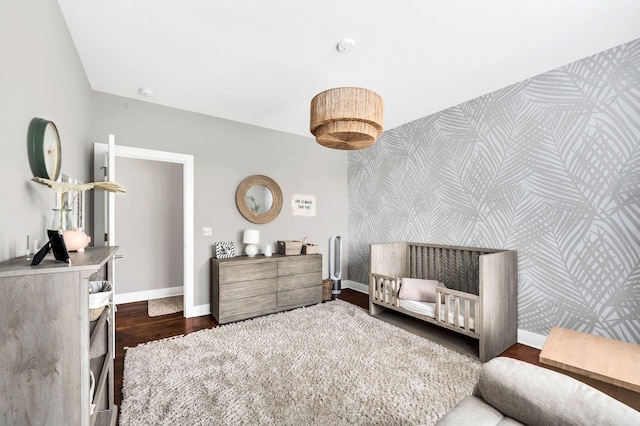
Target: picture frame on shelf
{"points": [[224, 249]]}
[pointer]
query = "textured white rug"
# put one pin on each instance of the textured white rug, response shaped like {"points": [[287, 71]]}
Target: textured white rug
{"points": [[164, 306], [328, 364]]}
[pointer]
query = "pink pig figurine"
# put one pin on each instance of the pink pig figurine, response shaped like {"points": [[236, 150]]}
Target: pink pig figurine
{"points": [[76, 240]]}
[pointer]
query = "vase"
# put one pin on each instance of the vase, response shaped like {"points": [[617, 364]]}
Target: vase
{"points": [[62, 219]]}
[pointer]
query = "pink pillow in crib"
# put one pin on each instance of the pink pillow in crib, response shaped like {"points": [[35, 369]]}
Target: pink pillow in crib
{"points": [[418, 289]]}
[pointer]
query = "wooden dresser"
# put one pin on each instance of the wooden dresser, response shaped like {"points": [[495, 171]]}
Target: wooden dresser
{"points": [[243, 287], [48, 346]]}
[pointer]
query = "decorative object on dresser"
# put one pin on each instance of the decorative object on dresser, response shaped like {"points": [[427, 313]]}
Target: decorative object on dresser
{"points": [[55, 244], [63, 217], [245, 287], [328, 364], [251, 237], [50, 348], [308, 248], [479, 287], [224, 249], [259, 199], [289, 247]]}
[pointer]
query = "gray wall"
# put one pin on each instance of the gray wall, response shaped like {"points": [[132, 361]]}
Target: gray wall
{"points": [[149, 225], [225, 153], [549, 167], [40, 76]]}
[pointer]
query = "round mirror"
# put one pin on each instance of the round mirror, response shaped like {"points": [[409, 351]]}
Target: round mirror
{"points": [[259, 199]]}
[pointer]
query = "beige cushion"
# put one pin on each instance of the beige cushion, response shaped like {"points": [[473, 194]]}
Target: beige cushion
{"points": [[538, 396], [418, 289], [474, 411]]}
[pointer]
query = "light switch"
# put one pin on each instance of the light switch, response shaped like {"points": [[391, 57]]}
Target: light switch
{"points": [[206, 232]]}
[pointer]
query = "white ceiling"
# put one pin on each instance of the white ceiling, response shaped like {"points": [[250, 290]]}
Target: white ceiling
{"points": [[261, 62]]}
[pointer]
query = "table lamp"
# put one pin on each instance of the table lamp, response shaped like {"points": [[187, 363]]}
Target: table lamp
{"points": [[251, 238]]}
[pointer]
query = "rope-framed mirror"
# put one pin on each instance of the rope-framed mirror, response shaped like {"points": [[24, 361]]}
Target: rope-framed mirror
{"points": [[259, 199]]}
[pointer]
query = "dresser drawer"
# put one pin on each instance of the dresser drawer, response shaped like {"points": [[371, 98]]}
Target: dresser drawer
{"points": [[293, 282], [247, 307], [243, 289], [300, 264], [247, 271], [300, 297]]}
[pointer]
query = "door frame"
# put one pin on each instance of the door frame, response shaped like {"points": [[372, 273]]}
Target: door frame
{"points": [[187, 162]]}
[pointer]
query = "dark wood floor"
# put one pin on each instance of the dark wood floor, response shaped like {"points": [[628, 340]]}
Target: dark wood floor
{"points": [[134, 326]]}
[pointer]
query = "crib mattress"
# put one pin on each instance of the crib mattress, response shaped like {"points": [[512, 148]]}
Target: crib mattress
{"points": [[429, 309]]}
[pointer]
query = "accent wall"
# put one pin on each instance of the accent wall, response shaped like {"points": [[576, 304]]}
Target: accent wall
{"points": [[549, 167]]}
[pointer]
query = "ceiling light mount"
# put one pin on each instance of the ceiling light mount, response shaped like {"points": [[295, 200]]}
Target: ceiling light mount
{"points": [[147, 93], [347, 118], [346, 45]]}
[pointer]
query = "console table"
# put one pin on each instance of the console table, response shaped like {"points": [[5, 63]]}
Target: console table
{"points": [[48, 346], [609, 365], [244, 287]]}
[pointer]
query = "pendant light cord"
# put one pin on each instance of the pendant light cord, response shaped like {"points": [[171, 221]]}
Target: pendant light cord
{"points": [[346, 67]]}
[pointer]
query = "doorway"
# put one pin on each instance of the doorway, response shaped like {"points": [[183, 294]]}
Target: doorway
{"points": [[104, 207]]}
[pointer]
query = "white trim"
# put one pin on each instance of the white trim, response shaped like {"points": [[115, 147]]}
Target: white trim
{"points": [[187, 162], [354, 285], [139, 296], [201, 310], [532, 339]]}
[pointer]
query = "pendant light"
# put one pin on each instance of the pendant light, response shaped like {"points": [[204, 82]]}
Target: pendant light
{"points": [[347, 118]]}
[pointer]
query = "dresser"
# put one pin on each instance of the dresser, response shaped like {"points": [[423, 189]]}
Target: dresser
{"points": [[244, 287], [49, 348]]}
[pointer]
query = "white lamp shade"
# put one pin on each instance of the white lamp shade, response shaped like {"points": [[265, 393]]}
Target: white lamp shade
{"points": [[251, 236]]}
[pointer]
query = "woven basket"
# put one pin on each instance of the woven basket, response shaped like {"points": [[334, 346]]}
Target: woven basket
{"points": [[309, 248], [327, 286], [94, 314], [289, 247]]}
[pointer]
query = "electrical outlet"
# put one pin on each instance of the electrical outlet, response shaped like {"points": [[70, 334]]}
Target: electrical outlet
{"points": [[206, 232]]}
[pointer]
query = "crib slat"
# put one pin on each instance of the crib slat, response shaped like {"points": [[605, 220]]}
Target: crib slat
{"points": [[456, 312], [468, 269], [476, 317], [466, 314], [458, 269]]}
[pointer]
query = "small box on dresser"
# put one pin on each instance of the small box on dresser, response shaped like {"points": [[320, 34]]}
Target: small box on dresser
{"points": [[244, 287], [289, 247]]}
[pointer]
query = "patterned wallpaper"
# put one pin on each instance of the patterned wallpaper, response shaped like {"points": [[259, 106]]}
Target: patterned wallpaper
{"points": [[549, 167]]}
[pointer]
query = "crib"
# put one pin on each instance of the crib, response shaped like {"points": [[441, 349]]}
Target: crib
{"points": [[477, 298]]}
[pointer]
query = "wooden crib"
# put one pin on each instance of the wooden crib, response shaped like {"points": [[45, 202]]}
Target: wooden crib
{"points": [[480, 288]]}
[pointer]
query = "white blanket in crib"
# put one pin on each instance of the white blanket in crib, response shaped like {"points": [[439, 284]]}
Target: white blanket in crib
{"points": [[429, 309]]}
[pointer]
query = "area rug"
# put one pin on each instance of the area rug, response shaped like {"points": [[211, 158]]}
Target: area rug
{"points": [[165, 306], [328, 364]]}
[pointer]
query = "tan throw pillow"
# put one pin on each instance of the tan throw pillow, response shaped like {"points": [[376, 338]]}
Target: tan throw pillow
{"points": [[418, 289]]}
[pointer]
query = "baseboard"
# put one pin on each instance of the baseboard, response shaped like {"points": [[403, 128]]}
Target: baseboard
{"points": [[201, 310], [138, 296], [354, 285], [524, 337], [529, 338]]}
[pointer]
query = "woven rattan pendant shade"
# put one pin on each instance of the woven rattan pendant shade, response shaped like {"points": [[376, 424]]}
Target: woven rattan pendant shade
{"points": [[347, 118]]}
